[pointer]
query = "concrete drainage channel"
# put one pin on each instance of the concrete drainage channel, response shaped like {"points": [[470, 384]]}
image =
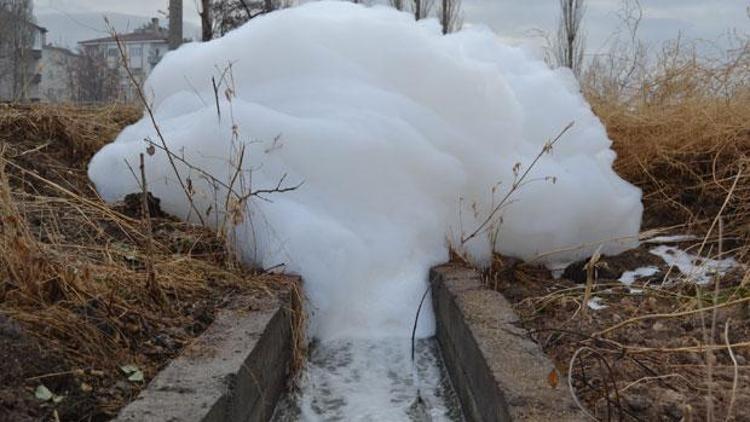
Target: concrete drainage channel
{"points": [[237, 370], [497, 371]]}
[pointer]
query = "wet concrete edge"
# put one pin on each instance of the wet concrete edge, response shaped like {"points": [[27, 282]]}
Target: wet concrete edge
{"points": [[234, 372], [499, 373]]}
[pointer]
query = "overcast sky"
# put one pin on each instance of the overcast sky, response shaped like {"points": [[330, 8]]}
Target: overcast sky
{"points": [[513, 19]]}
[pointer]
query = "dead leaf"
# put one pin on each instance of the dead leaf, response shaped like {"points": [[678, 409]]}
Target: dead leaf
{"points": [[553, 379], [134, 374], [42, 393]]}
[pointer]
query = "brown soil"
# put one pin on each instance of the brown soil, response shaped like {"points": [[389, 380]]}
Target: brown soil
{"points": [[76, 303], [632, 372], [20, 357]]}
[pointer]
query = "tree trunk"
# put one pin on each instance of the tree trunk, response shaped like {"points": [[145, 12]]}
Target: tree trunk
{"points": [[206, 22]]}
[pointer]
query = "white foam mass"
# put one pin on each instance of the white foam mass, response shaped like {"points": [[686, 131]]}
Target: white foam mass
{"points": [[399, 134]]}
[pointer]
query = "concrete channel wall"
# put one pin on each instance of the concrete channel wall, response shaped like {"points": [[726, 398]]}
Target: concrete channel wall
{"points": [[234, 372], [499, 373]]}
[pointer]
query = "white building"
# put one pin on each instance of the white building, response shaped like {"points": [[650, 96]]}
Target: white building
{"points": [[57, 69], [144, 48], [19, 66]]}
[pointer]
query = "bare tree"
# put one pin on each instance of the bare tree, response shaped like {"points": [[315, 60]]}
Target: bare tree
{"points": [[221, 16], [17, 36], [449, 13], [570, 43], [93, 80], [422, 8], [620, 70], [207, 26], [397, 4]]}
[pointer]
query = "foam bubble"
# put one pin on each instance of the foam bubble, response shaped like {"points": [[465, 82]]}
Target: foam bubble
{"points": [[399, 134]]}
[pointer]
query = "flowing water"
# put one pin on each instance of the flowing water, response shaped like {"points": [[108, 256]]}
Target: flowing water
{"points": [[372, 380]]}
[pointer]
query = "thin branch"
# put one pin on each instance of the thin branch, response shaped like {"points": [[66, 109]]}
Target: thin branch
{"points": [[736, 377], [150, 113], [516, 184], [670, 315]]}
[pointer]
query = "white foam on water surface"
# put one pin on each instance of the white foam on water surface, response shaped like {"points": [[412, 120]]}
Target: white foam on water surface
{"points": [[372, 380], [596, 303], [400, 136], [695, 268], [629, 277]]}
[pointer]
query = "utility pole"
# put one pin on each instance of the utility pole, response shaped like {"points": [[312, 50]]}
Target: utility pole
{"points": [[175, 24]]}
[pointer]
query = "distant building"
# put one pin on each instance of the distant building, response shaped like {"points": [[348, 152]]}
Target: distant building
{"points": [[144, 48], [19, 64], [57, 69]]}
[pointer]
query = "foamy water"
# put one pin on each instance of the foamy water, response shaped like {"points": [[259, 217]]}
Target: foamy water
{"points": [[372, 380]]}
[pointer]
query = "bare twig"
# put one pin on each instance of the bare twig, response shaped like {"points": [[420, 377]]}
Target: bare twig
{"points": [[150, 112], [547, 148], [570, 383], [736, 376], [670, 315], [710, 357], [151, 283], [590, 280]]}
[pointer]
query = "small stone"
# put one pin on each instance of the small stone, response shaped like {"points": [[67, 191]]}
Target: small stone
{"points": [[637, 402], [711, 358], [658, 326], [694, 358], [673, 404], [122, 386], [674, 410]]}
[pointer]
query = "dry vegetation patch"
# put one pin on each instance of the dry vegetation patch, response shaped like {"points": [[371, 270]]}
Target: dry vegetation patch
{"points": [[643, 357], [665, 348], [685, 156], [87, 289]]}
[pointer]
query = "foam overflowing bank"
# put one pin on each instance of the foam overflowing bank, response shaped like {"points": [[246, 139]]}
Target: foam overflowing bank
{"points": [[405, 139]]}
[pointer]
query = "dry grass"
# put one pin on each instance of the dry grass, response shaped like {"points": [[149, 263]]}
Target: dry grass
{"points": [[73, 270], [682, 134], [674, 350]]}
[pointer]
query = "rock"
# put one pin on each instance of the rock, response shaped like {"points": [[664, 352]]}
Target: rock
{"points": [[132, 206], [9, 328], [673, 404], [694, 358], [741, 360], [122, 386], [674, 410], [637, 402], [576, 272]]}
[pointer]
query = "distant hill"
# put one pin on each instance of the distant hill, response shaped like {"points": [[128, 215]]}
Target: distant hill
{"points": [[66, 30]]}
